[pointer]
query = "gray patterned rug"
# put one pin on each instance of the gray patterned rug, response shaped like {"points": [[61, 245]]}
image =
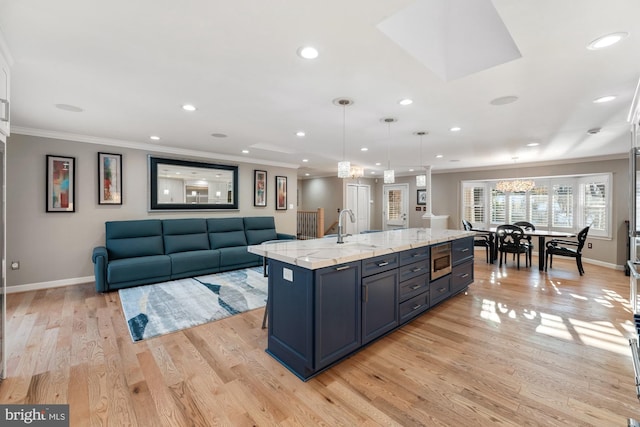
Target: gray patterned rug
{"points": [[161, 308]]}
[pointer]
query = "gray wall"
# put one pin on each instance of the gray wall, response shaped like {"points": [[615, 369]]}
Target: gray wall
{"points": [[447, 199], [58, 246]]}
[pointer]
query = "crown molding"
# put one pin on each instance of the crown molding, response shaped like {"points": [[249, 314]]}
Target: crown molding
{"points": [[143, 146]]}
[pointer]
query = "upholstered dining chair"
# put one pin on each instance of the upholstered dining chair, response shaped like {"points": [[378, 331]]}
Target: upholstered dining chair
{"points": [[567, 248], [511, 240], [527, 226], [482, 239]]}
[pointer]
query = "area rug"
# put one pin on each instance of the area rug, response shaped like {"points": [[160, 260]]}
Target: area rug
{"points": [[161, 308]]}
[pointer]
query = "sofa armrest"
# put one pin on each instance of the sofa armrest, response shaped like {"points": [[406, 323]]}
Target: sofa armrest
{"points": [[100, 258], [283, 236]]}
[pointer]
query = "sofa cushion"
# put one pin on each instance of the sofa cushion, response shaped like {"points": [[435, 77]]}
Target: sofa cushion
{"points": [[226, 232], [183, 235], [259, 229], [132, 269], [196, 262], [238, 256], [127, 239]]}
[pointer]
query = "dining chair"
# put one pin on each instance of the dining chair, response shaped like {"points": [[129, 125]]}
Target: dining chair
{"points": [[527, 226], [511, 240], [568, 248], [481, 239]]}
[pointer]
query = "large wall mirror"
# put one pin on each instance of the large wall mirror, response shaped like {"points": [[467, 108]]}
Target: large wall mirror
{"points": [[187, 185]]}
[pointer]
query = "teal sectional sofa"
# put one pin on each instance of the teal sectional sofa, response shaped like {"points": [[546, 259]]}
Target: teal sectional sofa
{"points": [[139, 252]]}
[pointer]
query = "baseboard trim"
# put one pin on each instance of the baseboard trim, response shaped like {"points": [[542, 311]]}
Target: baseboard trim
{"points": [[49, 285], [584, 260]]}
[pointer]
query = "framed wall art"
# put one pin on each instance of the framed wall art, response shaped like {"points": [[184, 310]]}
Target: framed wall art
{"points": [[61, 184], [259, 188], [109, 179], [422, 197], [281, 193]]}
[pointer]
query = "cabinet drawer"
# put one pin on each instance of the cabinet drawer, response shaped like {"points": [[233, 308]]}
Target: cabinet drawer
{"points": [[413, 255], [461, 276], [414, 270], [414, 306], [379, 264], [439, 290], [461, 249], [413, 287]]}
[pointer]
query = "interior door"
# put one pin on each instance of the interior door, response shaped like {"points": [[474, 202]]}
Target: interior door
{"points": [[358, 197], [3, 285], [396, 206]]}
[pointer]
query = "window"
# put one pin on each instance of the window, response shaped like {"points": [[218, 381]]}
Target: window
{"points": [[474, 203], [555, 203]]}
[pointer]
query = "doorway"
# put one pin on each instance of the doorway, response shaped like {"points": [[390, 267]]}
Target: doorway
{"points": [[395, 206], [358, 200]]}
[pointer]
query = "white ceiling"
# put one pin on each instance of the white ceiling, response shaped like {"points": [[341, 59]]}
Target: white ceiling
{"points": [[130, 65]]}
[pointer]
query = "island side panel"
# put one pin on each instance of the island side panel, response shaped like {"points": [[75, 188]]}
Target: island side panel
{"points": [[291, 317]]}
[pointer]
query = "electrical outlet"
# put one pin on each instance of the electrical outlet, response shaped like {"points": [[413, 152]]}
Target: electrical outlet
{"points": [[590, 245], [15, 265]]}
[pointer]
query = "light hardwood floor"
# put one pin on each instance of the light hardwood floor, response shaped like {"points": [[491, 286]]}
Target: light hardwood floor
{"points": [[519, 348]]}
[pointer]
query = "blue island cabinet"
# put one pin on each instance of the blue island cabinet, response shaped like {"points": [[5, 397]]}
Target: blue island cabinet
{"points": [[314, 315]]}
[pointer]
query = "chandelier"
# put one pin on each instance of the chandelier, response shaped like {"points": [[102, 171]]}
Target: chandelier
{"points": [[344, 167], [356, 172], [515, 186]]}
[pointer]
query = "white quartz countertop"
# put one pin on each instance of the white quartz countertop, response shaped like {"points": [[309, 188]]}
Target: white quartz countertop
{"points": [[324, 252]]}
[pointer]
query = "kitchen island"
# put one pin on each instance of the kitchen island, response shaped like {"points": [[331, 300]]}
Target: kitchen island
{"points": [[328, 300]]}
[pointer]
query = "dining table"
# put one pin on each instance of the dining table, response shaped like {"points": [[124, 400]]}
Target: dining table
{"points": [[542, 235]]}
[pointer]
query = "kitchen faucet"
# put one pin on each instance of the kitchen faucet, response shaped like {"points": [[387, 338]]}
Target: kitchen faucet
{"points": [[351, 216]]}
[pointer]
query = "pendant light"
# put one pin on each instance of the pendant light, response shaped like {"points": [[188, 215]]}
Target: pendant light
{"points": [[344, 167], [389, 174], [515, 185], [421, 180]]}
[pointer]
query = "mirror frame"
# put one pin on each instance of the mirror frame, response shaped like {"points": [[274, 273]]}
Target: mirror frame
{"points": [[153, 186]]}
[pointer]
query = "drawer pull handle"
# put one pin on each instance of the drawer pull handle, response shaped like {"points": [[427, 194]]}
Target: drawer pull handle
{"points": [[382, 264], [465, 275], [414, 287], [344, 267], [415, 307], [465, 250], [415, 270], [441, 290], [416, 255]]}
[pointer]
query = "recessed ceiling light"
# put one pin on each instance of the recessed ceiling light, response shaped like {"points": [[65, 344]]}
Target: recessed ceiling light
{"points": [[373, 172], [300, 133], [188, 107], [533, 144], [602, 99], [405, 101], [364, 149], [378, 163], [155, 138], [411, 170], [305, 160], [306, 174], [245, 151], [606, 41], [308, 52], [219, 135], [594, 131], [439, 156], [70, 108], [455, 129], [503, 100]]}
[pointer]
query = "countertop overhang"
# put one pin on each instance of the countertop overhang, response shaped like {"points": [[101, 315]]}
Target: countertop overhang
{"points": [[325, 252]]}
